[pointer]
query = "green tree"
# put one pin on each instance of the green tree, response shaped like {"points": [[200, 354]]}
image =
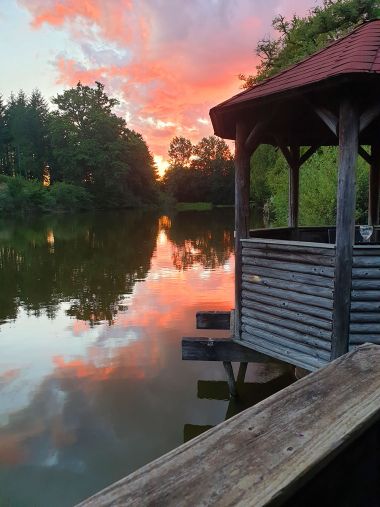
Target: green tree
{"points": [[299, 37], [180, 151], [93, 147]]}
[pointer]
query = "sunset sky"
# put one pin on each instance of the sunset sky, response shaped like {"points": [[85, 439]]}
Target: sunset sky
{"points": [[167, 61]]}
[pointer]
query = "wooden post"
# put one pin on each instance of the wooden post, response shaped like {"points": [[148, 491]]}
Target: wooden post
{"points": [[230, 378], [345, 225], [294, 169], [242, 180], [374, 184]]}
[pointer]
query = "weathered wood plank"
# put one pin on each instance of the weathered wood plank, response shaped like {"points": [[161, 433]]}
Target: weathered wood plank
{"points": [[327, 272], [320, 281], [364, 317], [282, 353], [366, 261], [289, 323], [213, 320], [366, 273], [365, 295], [288, 245], [359, 339], [296, 341], [291, 257], [301, 288], [242, 190], [320, 302], [365, 284], [295, 315], [219, 349], [364, 328], [294, 185], [365, 306], [266, 454], [283, 264], [345, 224]]}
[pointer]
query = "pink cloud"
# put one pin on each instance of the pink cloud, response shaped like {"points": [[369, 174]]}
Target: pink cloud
{"points": [[175, 60]]}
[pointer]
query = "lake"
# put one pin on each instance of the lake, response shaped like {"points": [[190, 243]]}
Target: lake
{"points": [[92, 311]]}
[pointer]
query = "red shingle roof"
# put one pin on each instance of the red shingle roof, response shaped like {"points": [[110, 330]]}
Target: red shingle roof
{"points": [[357, 52]]}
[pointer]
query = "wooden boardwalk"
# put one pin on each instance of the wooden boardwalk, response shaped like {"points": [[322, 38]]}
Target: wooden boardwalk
{"points": [[314, 443]]}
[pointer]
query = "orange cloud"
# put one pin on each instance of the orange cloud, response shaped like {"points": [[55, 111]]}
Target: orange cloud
{"points": [[174, 60]]}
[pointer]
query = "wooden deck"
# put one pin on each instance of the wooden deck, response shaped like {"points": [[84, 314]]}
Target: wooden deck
{"points": [[314, 443]]}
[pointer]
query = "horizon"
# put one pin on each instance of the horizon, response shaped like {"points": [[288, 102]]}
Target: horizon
{"points": [[166, 62]]}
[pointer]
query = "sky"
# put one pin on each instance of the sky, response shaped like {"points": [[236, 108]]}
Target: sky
{"points": [[167, 61]]}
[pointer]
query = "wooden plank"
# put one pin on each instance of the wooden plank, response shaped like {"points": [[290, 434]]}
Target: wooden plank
{"points": [[359, 339], [291, 324], [365, 295], [366, 273], [371, 284], [290, 246], [328, 118], [287, 314], [266, 454], [318, 260], [213, 320], [314, 346], [368, 116], [301, 288], [294, 185], [273, 272], [308, 153], [279, 352], [365, 306], [324, 271], [366, 261], [219, 349], [242, 191], [364, 317], [345, 224], [365, 328], [365, 155], [320, 302], [271, 301]]}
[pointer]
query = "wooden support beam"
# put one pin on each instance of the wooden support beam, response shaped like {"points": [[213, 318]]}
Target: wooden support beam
{"points": [[365, 155], [294, 171], [328, 118], [220, 349], [345, 225], [310, 444], [308, 153], [253, 140], [230, 378], [374, 185], [213, 320], [369, 116], [241, 373], [242, 190]]}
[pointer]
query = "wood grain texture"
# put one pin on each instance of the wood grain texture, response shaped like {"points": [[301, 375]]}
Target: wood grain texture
{"points": [[268, 453], [220, 349], [213, 320], [345, 224]]}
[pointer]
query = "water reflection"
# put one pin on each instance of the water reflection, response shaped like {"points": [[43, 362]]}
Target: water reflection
{"points": [[93, 307]]}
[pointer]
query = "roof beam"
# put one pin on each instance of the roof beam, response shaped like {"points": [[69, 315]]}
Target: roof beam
{"points": [[368, 116], [329, 119]]}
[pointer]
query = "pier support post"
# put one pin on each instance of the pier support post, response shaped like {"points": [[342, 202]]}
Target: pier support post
{"points": [[294, 171], [230, 378], [345, 225]]}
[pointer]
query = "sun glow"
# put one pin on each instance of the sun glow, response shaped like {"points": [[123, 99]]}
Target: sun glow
{"points": [[161, 164]]}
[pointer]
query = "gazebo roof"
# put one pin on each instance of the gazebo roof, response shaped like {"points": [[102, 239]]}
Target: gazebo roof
{"points": [[356, 55]]}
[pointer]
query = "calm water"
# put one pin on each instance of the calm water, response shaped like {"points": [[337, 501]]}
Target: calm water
{"points": [[92, 311]]}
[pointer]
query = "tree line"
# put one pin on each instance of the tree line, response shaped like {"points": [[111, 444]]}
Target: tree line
{"points": [[77, 155]]}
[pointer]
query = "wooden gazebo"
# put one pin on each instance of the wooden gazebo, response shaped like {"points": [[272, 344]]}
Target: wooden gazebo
{"points": [[307, 295]]}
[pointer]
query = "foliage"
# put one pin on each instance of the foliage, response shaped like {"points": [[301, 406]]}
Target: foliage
{"points": [[82, 142], [299, 37], [20, 195], [203, 174]]}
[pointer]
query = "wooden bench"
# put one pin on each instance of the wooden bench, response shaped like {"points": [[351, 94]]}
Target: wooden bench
{"points": [[314, 443]]}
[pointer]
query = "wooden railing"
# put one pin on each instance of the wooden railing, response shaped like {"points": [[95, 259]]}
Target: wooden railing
{"points": [[314, 443]]}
